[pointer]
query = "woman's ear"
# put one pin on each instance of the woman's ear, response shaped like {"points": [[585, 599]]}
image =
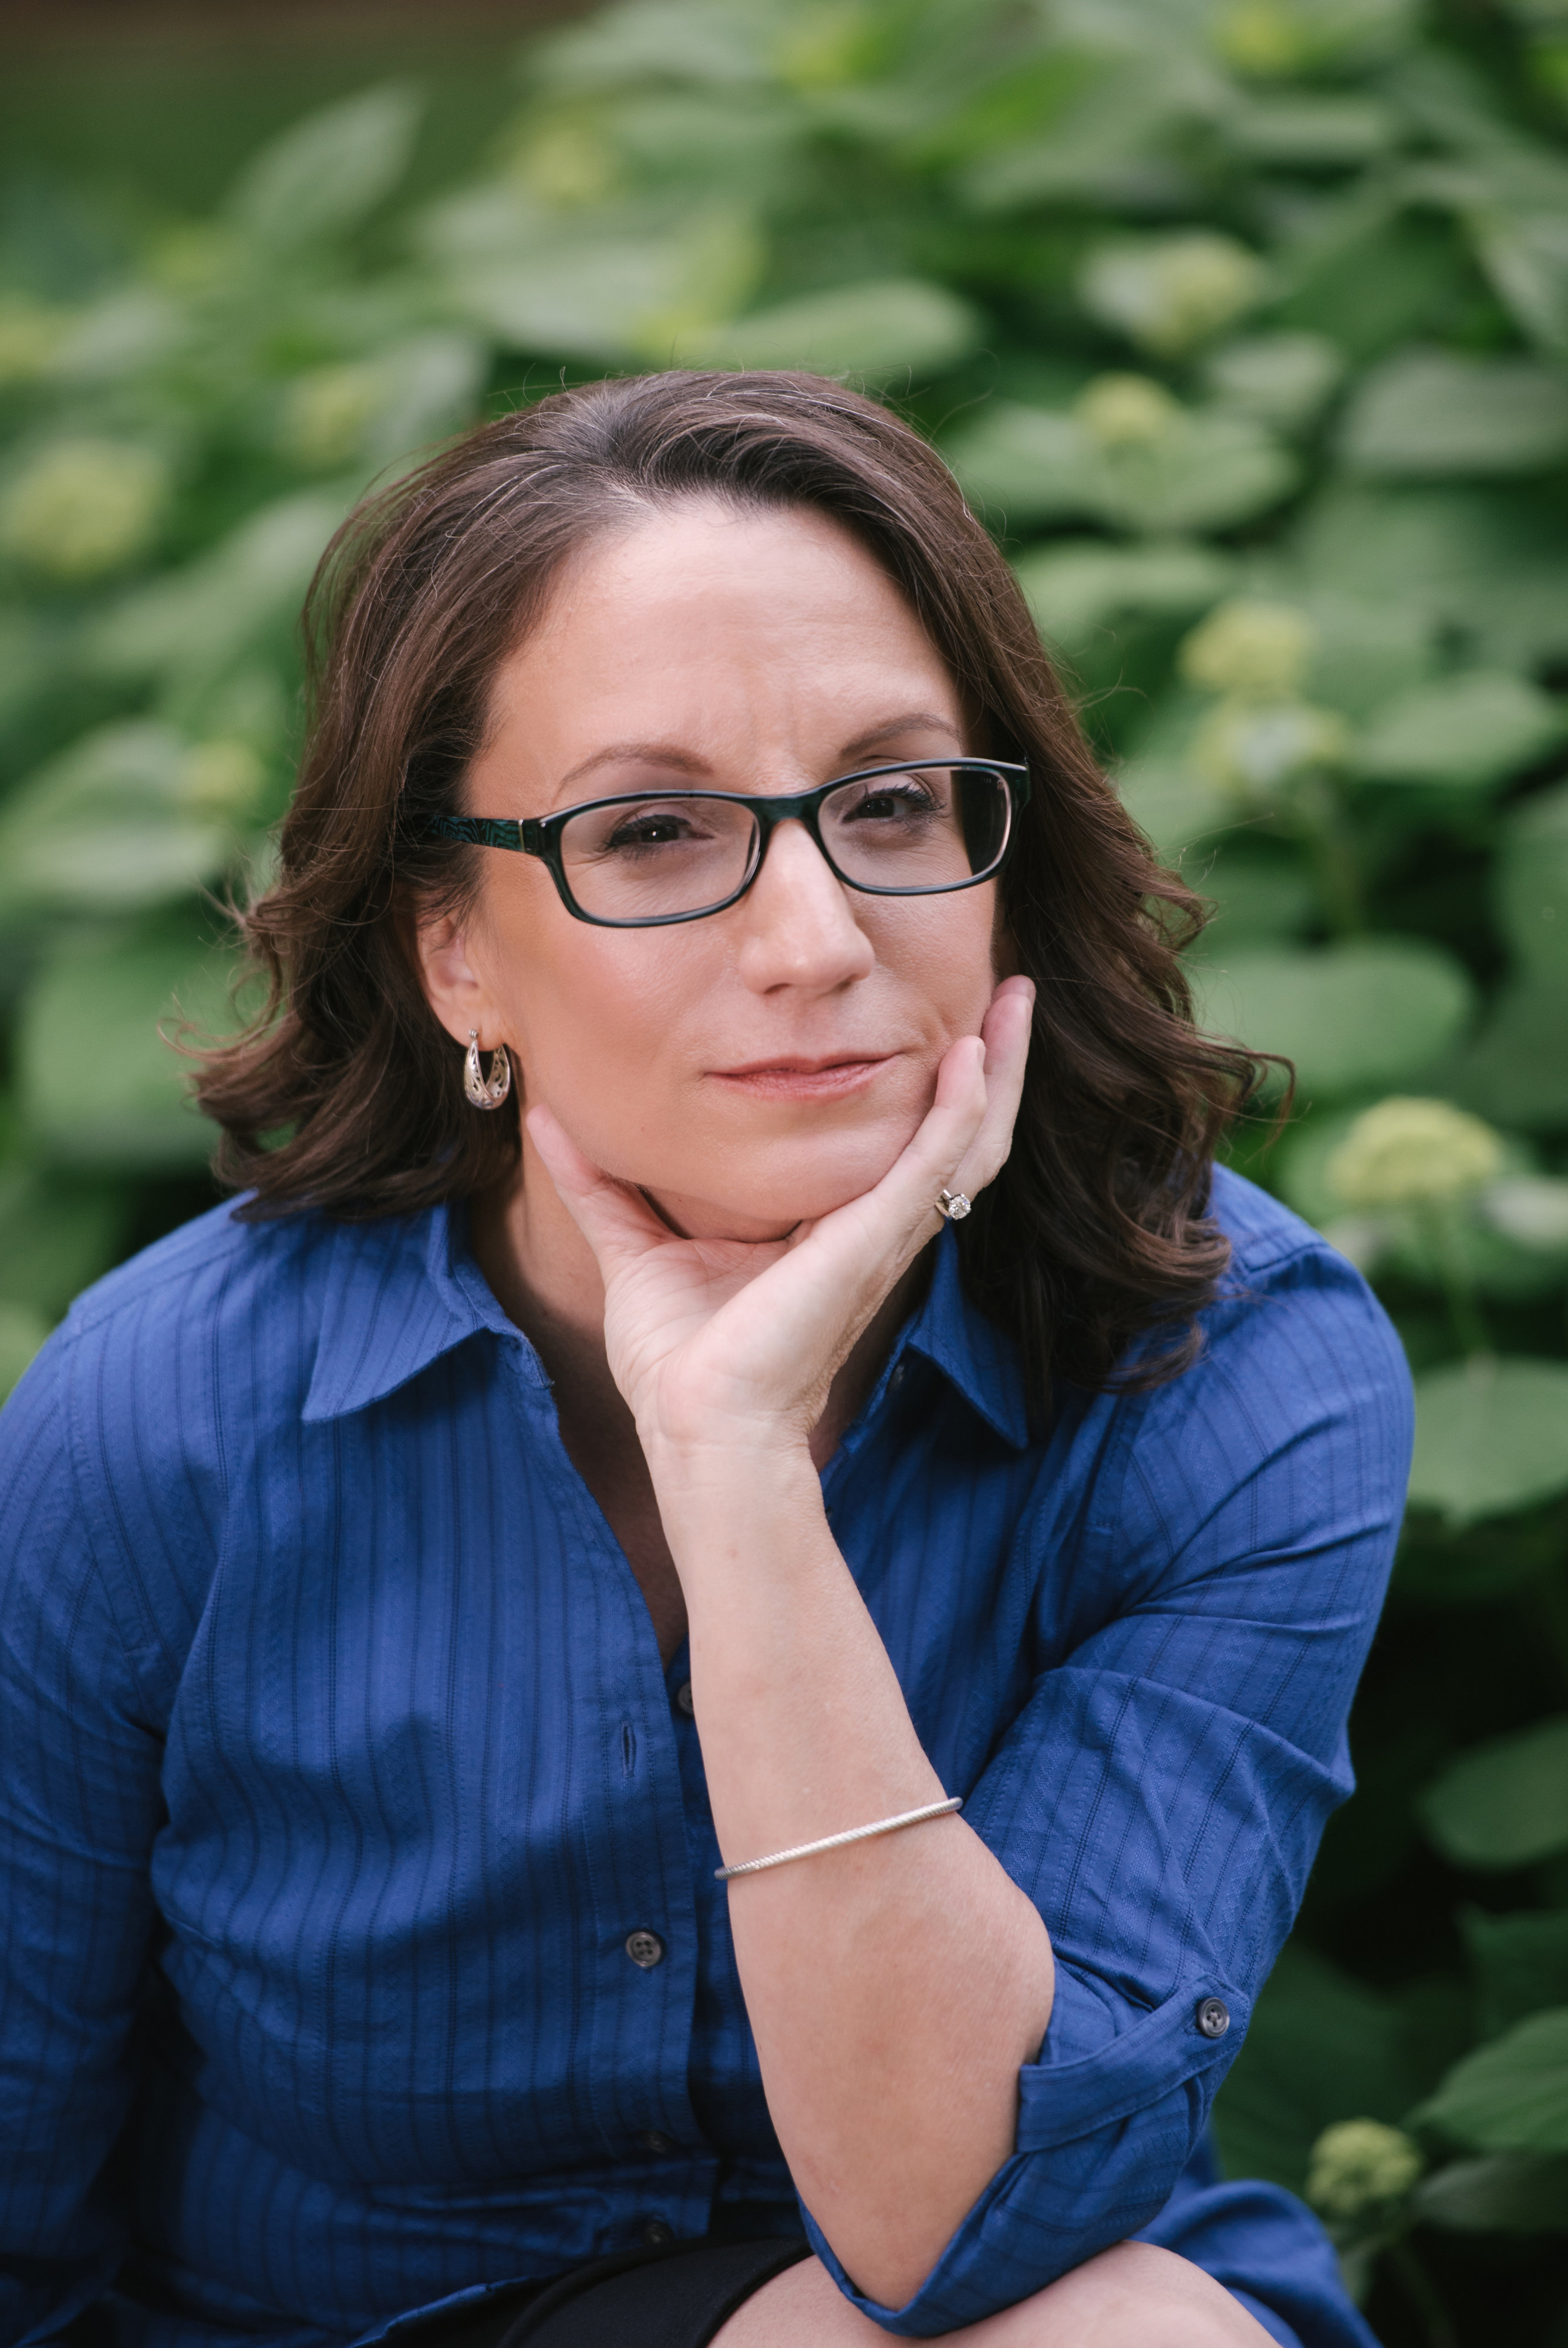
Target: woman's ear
{"points": [[453, 987]]}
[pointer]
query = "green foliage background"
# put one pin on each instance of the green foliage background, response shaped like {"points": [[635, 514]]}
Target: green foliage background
{"points": [[1245, 325]]}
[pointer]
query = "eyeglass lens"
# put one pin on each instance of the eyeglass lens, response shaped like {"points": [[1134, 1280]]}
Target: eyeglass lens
{"points": [[919, 830]]}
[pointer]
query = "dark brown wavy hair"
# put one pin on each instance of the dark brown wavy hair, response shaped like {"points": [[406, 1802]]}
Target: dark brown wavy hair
{"points": [[1092, 1248]]}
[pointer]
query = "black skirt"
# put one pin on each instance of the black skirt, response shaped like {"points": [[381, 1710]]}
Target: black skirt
{"points": [[675, 2296]]}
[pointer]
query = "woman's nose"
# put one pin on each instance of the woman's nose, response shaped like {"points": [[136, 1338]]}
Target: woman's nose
{"points": [[799, 929]]}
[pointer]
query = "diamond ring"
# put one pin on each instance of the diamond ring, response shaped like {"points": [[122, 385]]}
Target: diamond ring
{"points": [[953, 1204]]}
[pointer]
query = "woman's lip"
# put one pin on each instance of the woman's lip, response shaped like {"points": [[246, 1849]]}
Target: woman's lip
{"points": [[801, 1079]]}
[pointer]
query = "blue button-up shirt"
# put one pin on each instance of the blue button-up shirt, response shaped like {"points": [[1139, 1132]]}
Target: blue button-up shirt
{"points": [[342, 1770]]}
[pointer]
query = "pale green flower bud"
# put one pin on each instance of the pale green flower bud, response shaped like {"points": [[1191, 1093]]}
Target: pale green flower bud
{"points": [[1125, 411], [1275, 37], [1262, 36], [1414, 1153], [828, 48], [84, 508], [568, 163], [326, 413], [221, 779], [1359, 2167], [1253, 650], [30, 337], [1170, 293], [194, 257]]}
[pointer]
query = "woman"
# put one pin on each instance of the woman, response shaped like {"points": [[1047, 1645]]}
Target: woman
{"points": [[499, 1624]]}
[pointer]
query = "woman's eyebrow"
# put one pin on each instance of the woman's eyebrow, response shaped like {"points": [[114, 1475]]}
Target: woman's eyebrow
{"points": [[687, 762], [650, 754], [908, 721]]}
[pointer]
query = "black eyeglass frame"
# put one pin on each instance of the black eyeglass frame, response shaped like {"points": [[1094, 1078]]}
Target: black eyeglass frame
{"points": [[540, 835]]}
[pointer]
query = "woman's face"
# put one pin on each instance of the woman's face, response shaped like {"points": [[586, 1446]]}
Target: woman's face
{"points": [[769, 1062]]}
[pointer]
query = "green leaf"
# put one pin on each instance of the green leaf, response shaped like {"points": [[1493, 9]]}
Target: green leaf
{"points": [[1255, 896], [1436, 412], [1503, 2193], [118, 822], [1076, 587], [1505, 1803], [1520, 1964], [691, 40], [97, 1084], [877, 329], [1530, 882], [1463, 732], [1323, 133], [1492, 1437], [324, 175], [1487, 567], [1173, 806], [1106, 146], [1525, 254], [1530, 1209], [21, 1332], [1321, 2048], [1362, 655], [1209, 469], [1362, 1017], [1282, 379], [1509, 2096], [617, 283], [196, 622], [1515, 1070]]}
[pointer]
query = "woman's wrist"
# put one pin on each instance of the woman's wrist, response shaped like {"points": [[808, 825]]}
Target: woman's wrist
{"points": [[727, 1503]]}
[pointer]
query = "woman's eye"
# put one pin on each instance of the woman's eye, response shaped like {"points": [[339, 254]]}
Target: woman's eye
{"points": [[899, 803], [649, 831]]}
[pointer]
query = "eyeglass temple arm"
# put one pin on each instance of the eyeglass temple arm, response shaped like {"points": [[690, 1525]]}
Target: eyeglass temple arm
{"points": [[488, 831]]}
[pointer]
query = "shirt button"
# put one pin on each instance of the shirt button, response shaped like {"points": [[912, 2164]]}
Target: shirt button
{"points": [[655, 2233], [683, 1700], [645, 1949], [1214, 2016], [656, 2142]]}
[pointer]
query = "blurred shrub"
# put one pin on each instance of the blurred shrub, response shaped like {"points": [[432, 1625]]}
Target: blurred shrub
{"points": [[1245, 325]]}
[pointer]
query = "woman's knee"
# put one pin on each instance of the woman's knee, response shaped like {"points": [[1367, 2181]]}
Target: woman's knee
{"points": [[1131, 2296]]}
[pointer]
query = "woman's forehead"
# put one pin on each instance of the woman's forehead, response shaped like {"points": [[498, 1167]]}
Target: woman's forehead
{"points": [[704, 636]]}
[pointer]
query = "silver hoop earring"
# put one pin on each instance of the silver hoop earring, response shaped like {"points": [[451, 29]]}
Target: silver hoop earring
{"points": [[486, 1092]]}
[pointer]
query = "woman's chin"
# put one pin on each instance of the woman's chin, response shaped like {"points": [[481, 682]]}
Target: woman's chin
{"points": [[769, 1201]]}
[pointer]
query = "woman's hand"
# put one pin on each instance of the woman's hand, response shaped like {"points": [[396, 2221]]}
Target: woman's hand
{"points": [[720, 1341]]}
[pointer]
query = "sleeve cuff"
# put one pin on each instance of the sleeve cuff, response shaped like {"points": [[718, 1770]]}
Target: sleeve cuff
{"points": [[1107, 2121]]}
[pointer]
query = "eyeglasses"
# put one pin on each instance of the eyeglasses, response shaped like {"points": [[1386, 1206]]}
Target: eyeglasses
{"points": [[654, 857]]}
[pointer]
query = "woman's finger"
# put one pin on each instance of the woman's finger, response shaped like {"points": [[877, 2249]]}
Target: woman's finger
{"points": [[965, 1132], [963, 1140], [1006, 1032], [613, 1220]]}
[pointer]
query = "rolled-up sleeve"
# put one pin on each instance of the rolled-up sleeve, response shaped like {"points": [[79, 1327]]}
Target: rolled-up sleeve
{"points": [[1161, 1792], [79, 1805]]}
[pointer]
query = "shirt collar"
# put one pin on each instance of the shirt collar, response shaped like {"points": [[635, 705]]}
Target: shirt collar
{"points": [[398, 1293], [970, 1351]]}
